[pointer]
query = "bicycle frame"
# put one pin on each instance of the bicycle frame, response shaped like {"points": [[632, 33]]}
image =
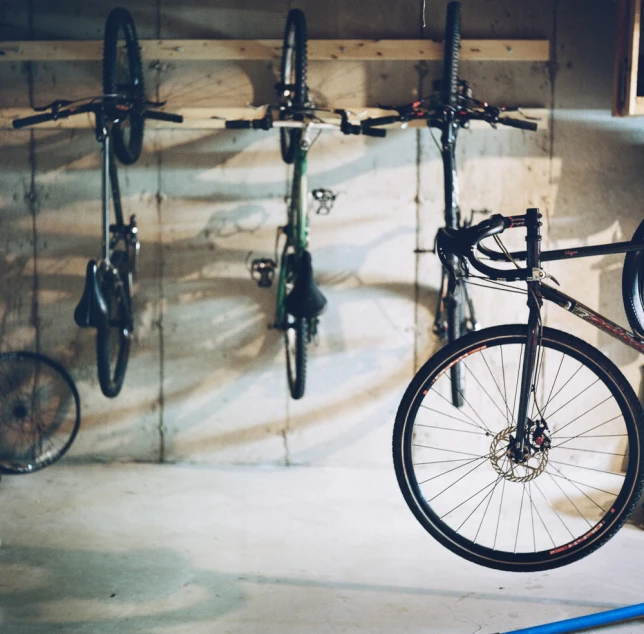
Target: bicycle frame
{"points": [[109, 175], [537, 292], [296, 229]]}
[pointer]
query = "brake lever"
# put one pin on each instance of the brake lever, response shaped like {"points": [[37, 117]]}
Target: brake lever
{"points": [[54, 106], [155, 104]]}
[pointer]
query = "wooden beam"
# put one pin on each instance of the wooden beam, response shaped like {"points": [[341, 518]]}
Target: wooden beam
{"points": [[626, 58], [215, 118], [349, 50]]}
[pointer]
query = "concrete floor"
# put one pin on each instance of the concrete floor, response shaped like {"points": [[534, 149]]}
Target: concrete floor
{"points": [[172, 549]]}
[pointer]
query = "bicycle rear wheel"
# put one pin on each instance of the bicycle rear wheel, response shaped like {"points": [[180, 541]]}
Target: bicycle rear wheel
{"points": [[39, 412], [451, 52], [123, 76], [113, 339], [295, 340], [292, 89], [633, 285], [584, 473]]}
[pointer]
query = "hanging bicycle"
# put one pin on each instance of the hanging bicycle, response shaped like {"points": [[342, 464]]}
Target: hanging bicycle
{"points": [[448, 110], [119, 114], [299, 301]]}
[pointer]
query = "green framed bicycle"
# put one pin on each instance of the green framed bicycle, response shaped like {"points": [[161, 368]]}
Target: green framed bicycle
{"points": [[299, 301]]}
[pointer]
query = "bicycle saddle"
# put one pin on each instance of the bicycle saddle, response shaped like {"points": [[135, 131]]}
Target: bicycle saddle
{"points": [[91, 311], [305, 300]]}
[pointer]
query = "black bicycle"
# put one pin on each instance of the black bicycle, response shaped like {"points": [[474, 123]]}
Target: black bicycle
{"points": [[39, 412], [449, 109], [543, 463], [119, 114]]}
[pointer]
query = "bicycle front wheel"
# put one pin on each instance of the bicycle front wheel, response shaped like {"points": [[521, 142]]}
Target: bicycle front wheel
{"points": [[295, 340], [113, 339], [123, 76], [451, 53], [583, 474], [633, 285], [39, 412], [292, 88]]}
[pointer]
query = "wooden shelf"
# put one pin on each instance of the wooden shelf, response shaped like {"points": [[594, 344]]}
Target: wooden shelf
{"points": [[349, 50], [215, 118]]}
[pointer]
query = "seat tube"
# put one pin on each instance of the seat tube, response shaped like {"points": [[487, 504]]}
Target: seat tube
{"points": [[528, 372], [105, 195]]}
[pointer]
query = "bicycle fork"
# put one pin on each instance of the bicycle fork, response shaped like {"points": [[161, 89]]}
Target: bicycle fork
{"points": [[524, 443]]}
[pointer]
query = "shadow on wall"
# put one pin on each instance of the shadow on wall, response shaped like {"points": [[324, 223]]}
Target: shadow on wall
{"points": [[205, 272]]}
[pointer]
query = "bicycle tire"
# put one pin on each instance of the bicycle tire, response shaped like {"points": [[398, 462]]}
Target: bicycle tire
{"points": [[127, 136], [633, 285], [293, 74], [113, 339], [296, 355], [39, 412], [451, 53], [455, 315], [419, 448]]}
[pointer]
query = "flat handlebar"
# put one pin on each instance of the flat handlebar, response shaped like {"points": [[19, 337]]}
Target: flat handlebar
{"points": [[267, 122], [61, 110]]}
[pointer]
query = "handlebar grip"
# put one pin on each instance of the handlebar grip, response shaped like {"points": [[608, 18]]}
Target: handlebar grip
{"points": [[162, 116], [349, 128], [380, 121], [374, 132], [37, 118], [518, 123], [239, 124]]}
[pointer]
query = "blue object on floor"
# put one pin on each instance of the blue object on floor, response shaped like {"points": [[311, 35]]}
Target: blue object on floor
{"points": [[584, 622]]}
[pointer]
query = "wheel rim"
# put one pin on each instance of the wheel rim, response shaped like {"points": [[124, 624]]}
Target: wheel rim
{"points": [[465, 485], [39, 412]]}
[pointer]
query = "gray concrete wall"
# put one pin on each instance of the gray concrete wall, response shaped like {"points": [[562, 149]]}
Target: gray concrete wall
{"points": [[206, 381]]}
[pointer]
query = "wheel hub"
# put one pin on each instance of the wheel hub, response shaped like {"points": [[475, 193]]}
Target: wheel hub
{"points": [[510, 463]]}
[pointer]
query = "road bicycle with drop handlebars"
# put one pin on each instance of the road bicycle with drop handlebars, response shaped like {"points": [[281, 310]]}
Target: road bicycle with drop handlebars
{"points": [[119, 114], [543, 462], [449, 109]]}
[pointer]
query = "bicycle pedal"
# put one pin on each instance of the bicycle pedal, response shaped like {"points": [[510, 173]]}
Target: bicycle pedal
{"points": [[262, 270], [325, 199]]}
